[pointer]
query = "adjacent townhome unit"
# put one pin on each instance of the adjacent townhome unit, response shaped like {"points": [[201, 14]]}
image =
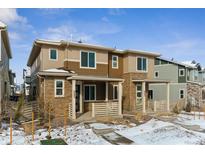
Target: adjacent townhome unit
{"points": [[5, 55], [181, 77], [84, 79]]}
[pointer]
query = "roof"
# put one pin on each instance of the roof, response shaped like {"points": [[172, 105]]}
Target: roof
{"points": [[93, 78], [56, 72], [4, 34], [190, 63], [176, 62], [39, 42]]}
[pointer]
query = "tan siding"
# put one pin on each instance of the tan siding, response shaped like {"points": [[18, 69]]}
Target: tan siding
{"points": [[116, 73]]}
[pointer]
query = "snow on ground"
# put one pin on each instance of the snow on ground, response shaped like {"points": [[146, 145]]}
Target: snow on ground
{"points": [[190, 120], [152, 132], [158, 132]]}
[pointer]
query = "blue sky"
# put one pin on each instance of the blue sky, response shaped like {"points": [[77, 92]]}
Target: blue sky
{"points": [[175, 33]]}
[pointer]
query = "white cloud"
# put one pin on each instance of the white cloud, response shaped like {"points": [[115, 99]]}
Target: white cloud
{"points": [[65, 32], [10, 16], [105, 19]]}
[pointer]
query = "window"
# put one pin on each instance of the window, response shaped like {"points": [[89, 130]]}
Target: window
{"points": [[139, 90], [53, 54], [114, 61], [181, 72], [156, 74], [181, 94], [141, 64], [88, 59], [90, 92], [59, 88], [203, 94], [115, 91]]}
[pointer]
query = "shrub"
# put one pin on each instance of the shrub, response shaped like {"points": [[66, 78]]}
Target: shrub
{"points": [[176, 109], [188, 107]]}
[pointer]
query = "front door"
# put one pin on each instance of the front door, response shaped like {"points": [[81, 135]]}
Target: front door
{"points": [[77, 98], [139, 97]]}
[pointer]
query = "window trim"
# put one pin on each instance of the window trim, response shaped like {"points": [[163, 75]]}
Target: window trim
{"points": [[89, 96], [180, 93], [113, 93], [116, 61], [50, 54], [182, 69], [88, 67], [147, 63], [56, 87], [155, 74]]}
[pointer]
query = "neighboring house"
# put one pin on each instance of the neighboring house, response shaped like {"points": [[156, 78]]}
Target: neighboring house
{"points": [[180, 75], [82, 78], [5, 55], [12, 83]]}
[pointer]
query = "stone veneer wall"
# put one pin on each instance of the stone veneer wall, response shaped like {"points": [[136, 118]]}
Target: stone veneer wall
{"points": [[129, 90], [59, 105], [194, 90]]}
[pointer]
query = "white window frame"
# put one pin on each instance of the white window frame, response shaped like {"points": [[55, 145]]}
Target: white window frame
{"points": [[84, 92], [113, 92], [50, 54], [114, 61], [88, 67], [155, 74], [142, 64], [183, 72], [56, 87], [180, 93], [139, 91]]}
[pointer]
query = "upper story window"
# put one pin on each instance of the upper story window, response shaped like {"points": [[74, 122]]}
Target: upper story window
{"points": [[142, 64], [59, 88], [181, 72], [53, 55], [87, 59], [114, 61], [156, 74]]}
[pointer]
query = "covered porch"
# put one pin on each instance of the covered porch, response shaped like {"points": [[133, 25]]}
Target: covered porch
{"points": [[144, 95], [95, 97]]}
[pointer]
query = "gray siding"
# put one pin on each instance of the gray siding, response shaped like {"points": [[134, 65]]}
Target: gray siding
{"points": [[160, 92], [182, 79], [167, 72]]}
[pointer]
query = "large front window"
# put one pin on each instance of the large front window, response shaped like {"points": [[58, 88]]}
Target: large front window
{"points": [[90, 92], [88, 59], [59, 88], [141, 64]]}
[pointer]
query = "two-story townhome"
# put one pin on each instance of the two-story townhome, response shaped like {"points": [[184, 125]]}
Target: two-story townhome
{"points": [[89, 79], [181, 76], [5, 55]]}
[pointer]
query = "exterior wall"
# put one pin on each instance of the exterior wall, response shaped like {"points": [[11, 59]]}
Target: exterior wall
{"points": [[167, 72], [4, 77], [194, 92], [115, 72], [160, 92], [101, 69], [59, 105], [129, 90], [202, 77], [182, 79], [130, 64]]}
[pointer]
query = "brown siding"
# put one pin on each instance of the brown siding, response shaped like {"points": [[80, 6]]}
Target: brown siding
{"points": [[101, 69], [116, 73]]}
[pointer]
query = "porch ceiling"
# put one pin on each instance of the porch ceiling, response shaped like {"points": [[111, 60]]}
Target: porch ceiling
{"points": [[152, 81], [95, 78]]}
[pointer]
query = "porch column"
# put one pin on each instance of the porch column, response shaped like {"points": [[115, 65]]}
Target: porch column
{"points": [[120, 98], [81, 97], [106, 91], [168, 96], [143, 98], [73, 99]]}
